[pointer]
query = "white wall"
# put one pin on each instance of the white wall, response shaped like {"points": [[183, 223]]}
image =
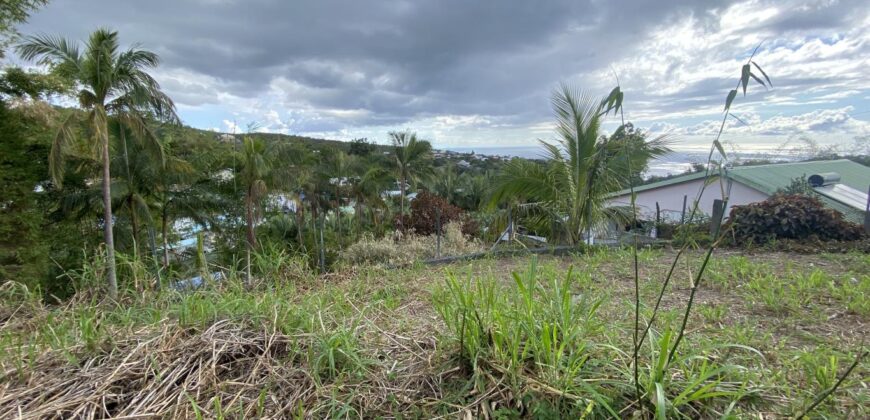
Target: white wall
{"points": [[670, 198]]}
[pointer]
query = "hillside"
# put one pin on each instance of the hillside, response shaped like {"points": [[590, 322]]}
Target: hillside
{"points": [[771, 331]]}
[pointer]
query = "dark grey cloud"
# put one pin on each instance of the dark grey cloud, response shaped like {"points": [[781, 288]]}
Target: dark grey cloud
{"points": [[454, 51], [405, 60]]}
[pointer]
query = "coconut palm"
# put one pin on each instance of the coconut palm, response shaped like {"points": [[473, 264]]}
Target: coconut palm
{"points": [[412, 161], [568, 192], [109, 82]]}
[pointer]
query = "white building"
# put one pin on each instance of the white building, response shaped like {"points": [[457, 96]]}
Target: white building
{"points": [[845, 189]]}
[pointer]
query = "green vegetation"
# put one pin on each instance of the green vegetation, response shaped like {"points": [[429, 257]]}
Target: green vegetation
{"points": [[109, 83], [288, 276], [543, 337], [565, 197]]}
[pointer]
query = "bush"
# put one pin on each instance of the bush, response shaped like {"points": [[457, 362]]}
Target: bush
{"points": [[404, 249], [790, 217], [424, 216]]}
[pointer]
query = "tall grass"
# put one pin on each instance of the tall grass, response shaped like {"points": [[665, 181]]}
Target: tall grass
{"points": [[482, 317], [542, 335], [534, 331]]}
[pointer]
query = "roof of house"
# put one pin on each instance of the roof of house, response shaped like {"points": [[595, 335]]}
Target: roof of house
{"points": [[770, 178]]}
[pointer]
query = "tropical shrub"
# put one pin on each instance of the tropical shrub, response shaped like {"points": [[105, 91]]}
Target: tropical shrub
{"points": [[424, 215], [566, 195], [789, 217]]}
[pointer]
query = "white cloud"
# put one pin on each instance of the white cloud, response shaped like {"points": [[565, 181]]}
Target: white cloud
{"points": [[418, 66], [232, 126], [820, 121]]}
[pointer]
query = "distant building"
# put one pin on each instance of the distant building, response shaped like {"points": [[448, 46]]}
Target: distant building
{"points": [[343, 181], [224, 175], [226, 138], [463, 164], [841, 184], [284, 203]]}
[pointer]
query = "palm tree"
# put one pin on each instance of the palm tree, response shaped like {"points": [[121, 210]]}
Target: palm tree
{"points": [[256, 167], [336, 168], [366, 191], [472, 190], [110, 82], [258, 173], [133, 190], [446, 181], [412, 161], [183, 192], [569, 191]]}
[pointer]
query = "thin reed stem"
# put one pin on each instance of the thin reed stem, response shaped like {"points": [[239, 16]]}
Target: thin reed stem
{"points": [[695, 284]]}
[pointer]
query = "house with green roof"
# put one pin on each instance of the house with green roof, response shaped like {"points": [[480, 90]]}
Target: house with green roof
{"points": [[840, 184]]}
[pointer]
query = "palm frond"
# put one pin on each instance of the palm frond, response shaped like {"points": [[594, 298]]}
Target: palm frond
{"points": [[62, 139], [53, 51]]}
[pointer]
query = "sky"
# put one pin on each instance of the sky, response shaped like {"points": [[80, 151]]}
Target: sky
{"points": [[481, 73]]}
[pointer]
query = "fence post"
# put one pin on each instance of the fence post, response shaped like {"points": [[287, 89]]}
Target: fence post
{"points": [[658, 213], [716, 220], [437, 232], [510, 229], [683, 214]]}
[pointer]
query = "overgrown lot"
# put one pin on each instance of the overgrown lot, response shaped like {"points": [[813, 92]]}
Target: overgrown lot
{"points": [[771, 331]]}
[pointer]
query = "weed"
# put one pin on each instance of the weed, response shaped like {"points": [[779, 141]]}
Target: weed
{"points": [[712, 314]]}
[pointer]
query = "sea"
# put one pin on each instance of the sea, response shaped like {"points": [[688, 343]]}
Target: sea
{"points": [[675, 162]]}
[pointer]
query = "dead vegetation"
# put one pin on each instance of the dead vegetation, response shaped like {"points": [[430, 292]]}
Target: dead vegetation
{"points": [[371, 344]]}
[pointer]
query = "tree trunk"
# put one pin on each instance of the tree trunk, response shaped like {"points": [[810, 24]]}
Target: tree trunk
{"points": [[134, 225], [402, 202], [108, 236], [251, 239], [133, 222], [338, 213], [358, 215], [165, 232], [299, 219]]}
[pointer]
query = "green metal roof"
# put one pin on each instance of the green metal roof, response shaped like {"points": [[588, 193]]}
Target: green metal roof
{"points": [[663, 183], [769, 178]]}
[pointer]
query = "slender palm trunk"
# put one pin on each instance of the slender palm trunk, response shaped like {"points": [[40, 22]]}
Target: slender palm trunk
{"points": [[299, 219], [134, 223], [252, 239], [165, 233], [358, 214], [249, 219], [108, 223], [338, 211], [402, 201]]}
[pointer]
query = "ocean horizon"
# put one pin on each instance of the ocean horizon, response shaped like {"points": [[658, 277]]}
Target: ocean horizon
{"points": [[675, 162]]}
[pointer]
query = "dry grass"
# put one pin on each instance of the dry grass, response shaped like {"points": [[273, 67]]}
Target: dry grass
{"points": [[266, 353], [401, 250]]}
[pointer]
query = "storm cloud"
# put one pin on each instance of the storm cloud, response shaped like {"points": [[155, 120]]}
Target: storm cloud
{"points": [[481, 72]]}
